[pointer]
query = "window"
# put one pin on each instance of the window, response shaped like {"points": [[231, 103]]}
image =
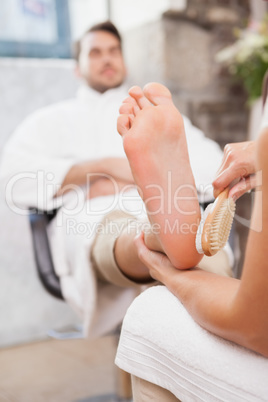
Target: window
{"points": [[35, 28]]}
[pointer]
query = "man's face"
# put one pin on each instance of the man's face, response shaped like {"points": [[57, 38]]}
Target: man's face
{"points": [[101, 61]]}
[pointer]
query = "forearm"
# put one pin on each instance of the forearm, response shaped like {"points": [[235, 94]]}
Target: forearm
{"points": [[222, 306], [88, 172], [118, 168], [227, 307], [209, 298]]}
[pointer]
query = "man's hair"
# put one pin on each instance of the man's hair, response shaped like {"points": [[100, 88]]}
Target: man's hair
{"points": [[106, 26]]}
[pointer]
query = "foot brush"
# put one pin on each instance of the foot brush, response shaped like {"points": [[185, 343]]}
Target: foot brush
{"points": [[215, 226]]}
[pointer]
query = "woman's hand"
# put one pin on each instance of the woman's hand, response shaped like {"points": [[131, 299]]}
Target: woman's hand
{"points": [[160, 268], [238, 166]]}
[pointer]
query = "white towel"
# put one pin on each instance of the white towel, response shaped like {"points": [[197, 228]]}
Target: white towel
{"points": [[161, 343]]}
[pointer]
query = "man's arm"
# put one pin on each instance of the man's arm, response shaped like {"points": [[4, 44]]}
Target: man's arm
{"points": [[90, 171]]}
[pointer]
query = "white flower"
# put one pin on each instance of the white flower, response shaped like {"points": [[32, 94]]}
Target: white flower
{"points": [[253, 40], [247, 58], [227, 54], [248, 44]]}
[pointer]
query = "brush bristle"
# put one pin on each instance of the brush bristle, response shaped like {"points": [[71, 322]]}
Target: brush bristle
{"points": [[222, 224], [198, 238]]}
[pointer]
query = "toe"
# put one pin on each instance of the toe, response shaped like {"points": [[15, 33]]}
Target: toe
{"points": [[157, 94], [137, 93], [129, 108], [126, 108], [132, 101], [123, 124]]}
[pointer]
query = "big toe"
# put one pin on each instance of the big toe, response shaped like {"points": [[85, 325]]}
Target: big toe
{"points": [[157, 94]]}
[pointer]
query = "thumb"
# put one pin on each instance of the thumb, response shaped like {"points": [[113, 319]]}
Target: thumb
{"points": [[152, 259]]}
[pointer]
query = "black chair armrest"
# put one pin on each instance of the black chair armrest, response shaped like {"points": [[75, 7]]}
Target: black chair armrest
{"points": [[42, 253]]}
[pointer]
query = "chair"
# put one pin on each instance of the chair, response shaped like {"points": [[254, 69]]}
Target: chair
{"points": [[39, 221], [42, 254]]}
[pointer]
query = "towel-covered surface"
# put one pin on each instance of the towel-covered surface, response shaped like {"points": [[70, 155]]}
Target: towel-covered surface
{"points": [[161, 343]]}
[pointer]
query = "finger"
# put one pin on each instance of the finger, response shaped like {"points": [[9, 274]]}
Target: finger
{"points": [[223, 180], [143, 253], [226, 172], [224, 163], [226, 178], [242, 187], [154, 260]]}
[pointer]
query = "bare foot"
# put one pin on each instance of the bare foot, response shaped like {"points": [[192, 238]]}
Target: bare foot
{"points": [[155, 144]]}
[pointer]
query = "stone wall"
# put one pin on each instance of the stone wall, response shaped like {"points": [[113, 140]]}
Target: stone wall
{"points": [[193, 37], [180, 51]]}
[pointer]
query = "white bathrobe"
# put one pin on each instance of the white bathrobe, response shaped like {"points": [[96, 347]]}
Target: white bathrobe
{"points": [[37, 158]]}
